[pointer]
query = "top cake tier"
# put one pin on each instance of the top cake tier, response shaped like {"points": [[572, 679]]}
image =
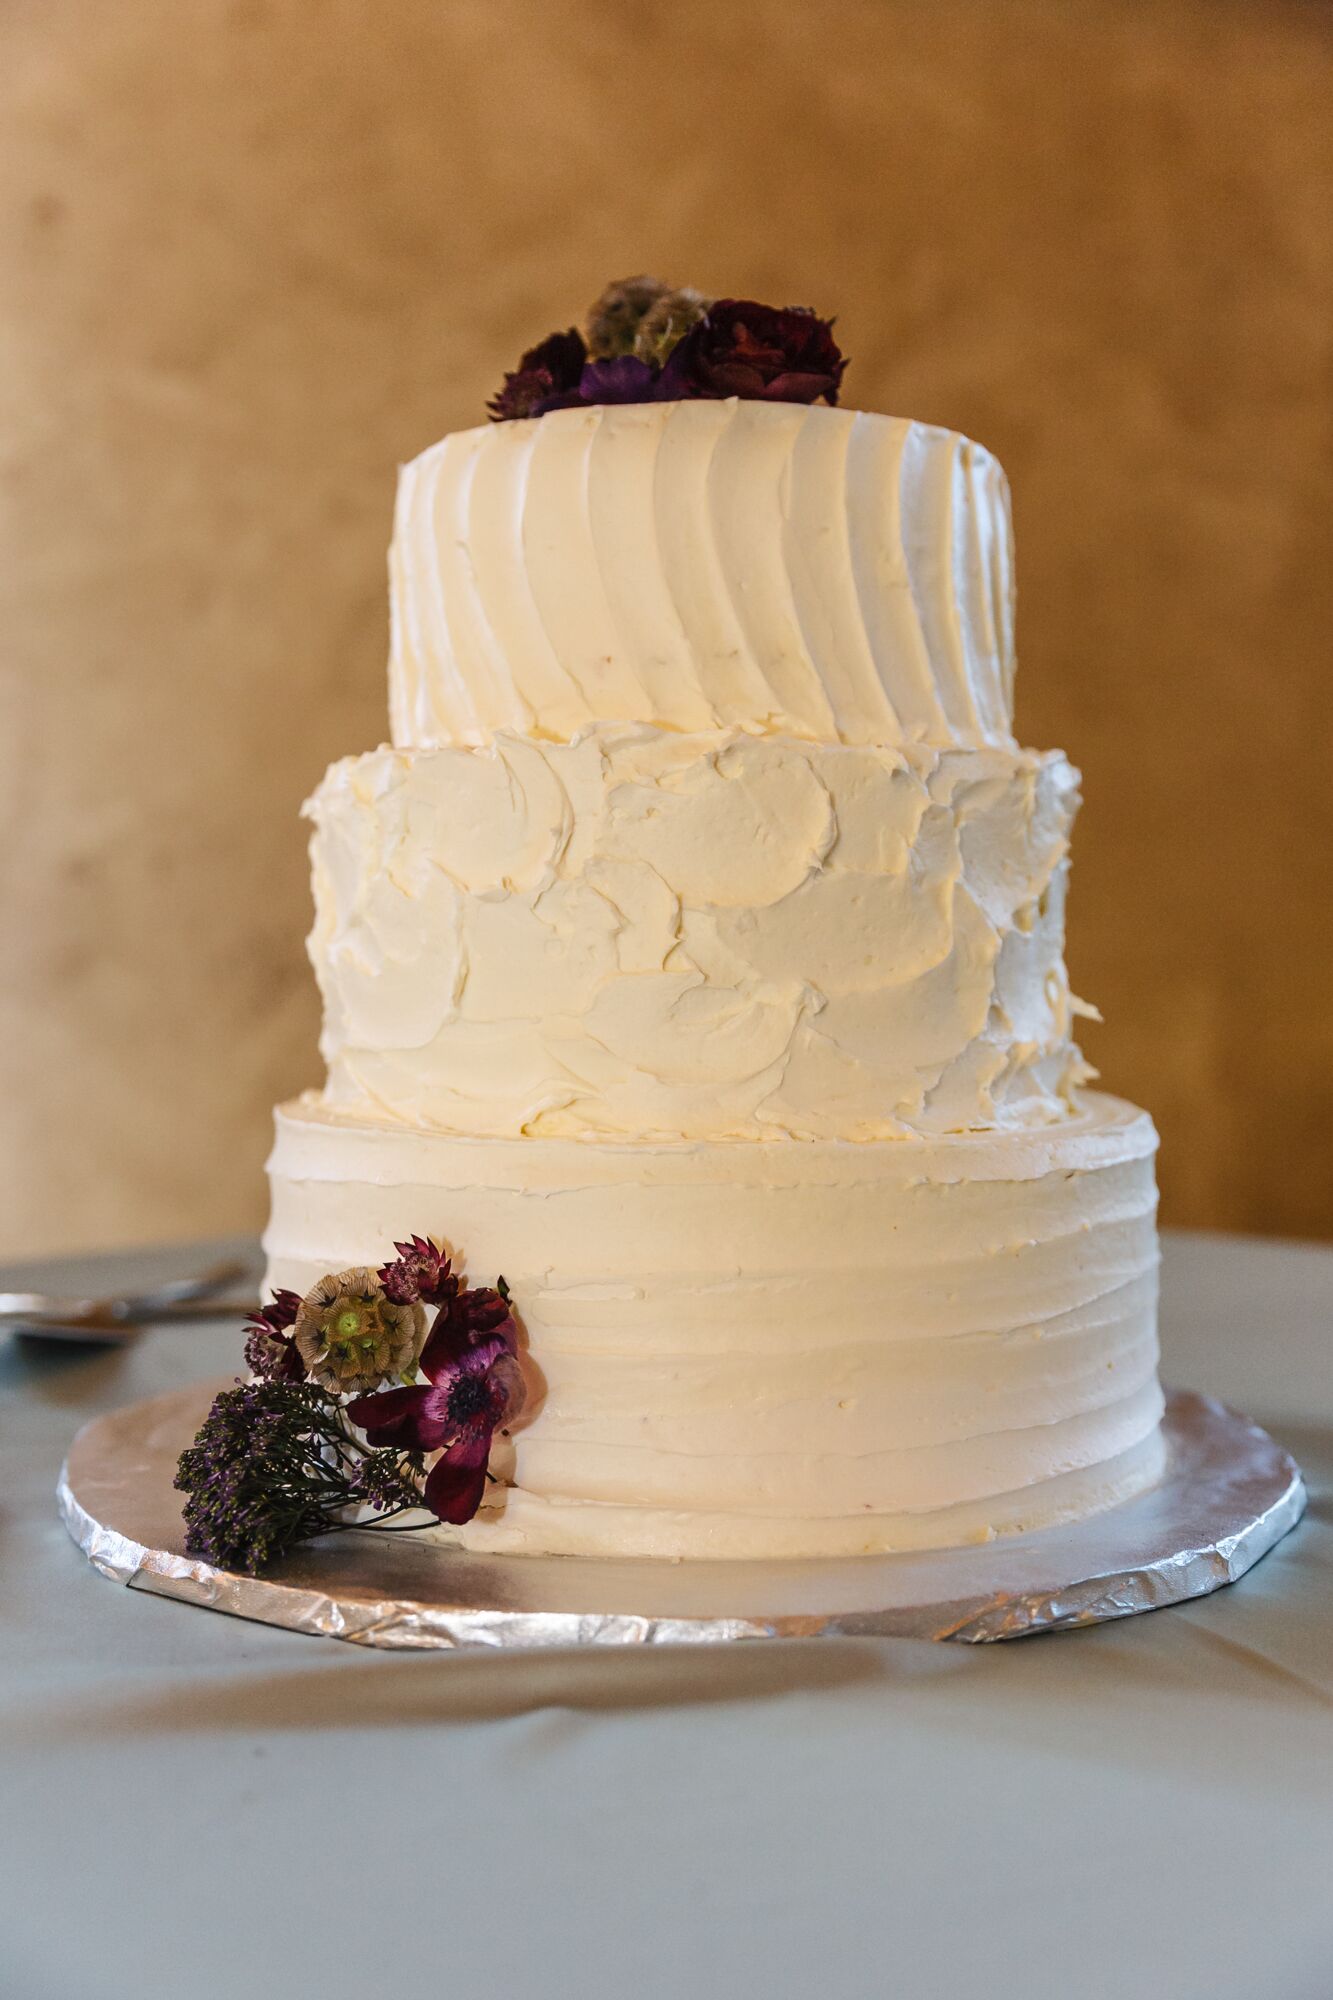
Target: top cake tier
{"points": [[767, 567]]}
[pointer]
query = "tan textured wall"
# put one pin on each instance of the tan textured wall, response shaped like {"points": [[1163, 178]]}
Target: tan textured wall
{"points": [[252, 255]]}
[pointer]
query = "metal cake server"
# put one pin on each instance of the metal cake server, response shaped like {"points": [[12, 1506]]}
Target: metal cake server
{"points": [[43, 1316]]}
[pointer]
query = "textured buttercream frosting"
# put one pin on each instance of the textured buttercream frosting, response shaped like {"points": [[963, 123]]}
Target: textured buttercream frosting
{"points": [[703, 565], [694, 958], [646, 935], [781, 1349]]}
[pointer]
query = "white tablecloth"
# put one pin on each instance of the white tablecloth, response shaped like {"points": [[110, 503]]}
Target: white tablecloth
{"points": [[197, 1808]]}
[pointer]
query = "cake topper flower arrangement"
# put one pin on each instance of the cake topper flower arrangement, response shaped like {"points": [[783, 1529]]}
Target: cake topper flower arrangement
{"points": [[317, 1440], [647, 342]]}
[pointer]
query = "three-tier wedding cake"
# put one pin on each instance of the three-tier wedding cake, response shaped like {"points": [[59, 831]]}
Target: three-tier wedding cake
{"points": [[693, 956]]}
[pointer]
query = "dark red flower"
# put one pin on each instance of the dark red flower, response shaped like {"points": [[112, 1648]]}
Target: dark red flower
{"points": [[466, 1314], [270, 1352], [476, 1313], [474, 1386], [767, 353], [547, 371], [419, 1272], [282, 1311]]}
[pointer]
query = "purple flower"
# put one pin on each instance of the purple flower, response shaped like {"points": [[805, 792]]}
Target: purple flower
{"points": [[387, 1481], [558, 376], [547, 371], [270, 1351], [623, 380], [474, 1386], [251, 1492], [766, 353]]}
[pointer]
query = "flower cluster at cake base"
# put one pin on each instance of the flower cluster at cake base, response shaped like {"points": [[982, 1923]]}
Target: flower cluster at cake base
{"points": [[646, 342], [337, 1429]]}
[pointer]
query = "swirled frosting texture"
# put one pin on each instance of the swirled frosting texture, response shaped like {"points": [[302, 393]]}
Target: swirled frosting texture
{"points": [[768, 568], [642, 935], [780, 1350]]}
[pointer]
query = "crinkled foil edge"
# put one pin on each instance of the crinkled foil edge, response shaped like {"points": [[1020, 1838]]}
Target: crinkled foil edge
{"points": [[1229, 1494]]}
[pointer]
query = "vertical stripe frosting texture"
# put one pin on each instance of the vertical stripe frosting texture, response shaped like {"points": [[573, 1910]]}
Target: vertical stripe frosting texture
{"points": [[769, 568]]}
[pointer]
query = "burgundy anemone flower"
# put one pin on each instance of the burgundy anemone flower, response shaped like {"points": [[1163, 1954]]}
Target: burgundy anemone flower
{"points": [[270, 1351], [765, 353], [474, 1386], [546, 372]]}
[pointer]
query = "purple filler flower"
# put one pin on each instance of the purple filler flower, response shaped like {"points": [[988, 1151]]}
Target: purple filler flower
{"points": [[766, 353], [248, 1474], [474, 1386]]}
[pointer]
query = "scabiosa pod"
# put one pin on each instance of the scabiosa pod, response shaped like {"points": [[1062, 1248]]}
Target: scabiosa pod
{"points": [[666, 323], [352, 1337], [616, 315]]}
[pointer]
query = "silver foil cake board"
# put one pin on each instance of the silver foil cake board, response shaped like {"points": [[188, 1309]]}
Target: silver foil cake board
{"points": [[1227, 1494]]}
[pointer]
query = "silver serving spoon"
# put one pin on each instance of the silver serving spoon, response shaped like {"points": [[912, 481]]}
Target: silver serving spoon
{"points": [[43, 1316]]}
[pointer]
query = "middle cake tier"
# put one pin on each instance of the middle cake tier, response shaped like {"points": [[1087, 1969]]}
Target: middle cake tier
{"points": [[643, 934]]}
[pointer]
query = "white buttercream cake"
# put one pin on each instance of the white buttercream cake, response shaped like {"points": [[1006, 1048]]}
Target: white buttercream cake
{"points": [[694, 957]]}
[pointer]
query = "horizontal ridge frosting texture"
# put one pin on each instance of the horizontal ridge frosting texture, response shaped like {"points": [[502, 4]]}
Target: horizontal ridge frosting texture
{"points": [[780, 1349], [766, 567]]}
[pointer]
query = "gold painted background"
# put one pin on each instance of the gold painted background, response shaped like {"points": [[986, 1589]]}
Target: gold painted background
{"points": [[254, 254]]}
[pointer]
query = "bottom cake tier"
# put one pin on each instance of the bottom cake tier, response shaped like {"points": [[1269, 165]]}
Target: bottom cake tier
{"points": [[779, 1349]]}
